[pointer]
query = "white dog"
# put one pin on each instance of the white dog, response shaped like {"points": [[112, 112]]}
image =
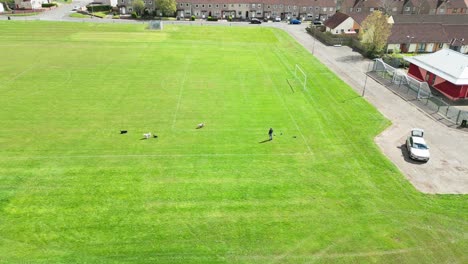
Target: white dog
{"points": [[200, 125], [147, 135]]}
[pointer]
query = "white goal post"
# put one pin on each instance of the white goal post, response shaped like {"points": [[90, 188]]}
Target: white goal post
{"points": [[302, 80]]}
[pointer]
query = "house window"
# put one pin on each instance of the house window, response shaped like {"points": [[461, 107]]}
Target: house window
{"points": [[331, 9], [407, 9], [196, 6], [289, 7], [232, 5], [294, 7], [394, 9], [259, 6], [351, 9], [217, 6], [253, 5], [209, 6], [268, 7], [324, 9], [274, 6], [441, 10], [186, 4], [202, 5], [224, 6], [304, 9], [358, 9], [311, 8], [455, 10], [130, 9], [422, 47], [371, 9], [240, 13], [281, 6], [181, 4]]}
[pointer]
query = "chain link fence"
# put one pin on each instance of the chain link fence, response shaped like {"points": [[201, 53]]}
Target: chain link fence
{"points": [[423, 96]]}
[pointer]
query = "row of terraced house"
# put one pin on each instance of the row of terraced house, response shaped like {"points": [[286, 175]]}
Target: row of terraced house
{"points": [[304, 9]]}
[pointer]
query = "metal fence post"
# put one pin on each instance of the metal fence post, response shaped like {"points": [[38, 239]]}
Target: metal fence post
{"points": [[458, 116], [446, 112]]}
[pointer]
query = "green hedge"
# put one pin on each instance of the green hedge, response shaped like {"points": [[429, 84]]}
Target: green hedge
{"points": [[49, 4], [212, 19], [98, 8]]}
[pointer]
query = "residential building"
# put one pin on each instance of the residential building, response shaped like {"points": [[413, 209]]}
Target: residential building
{"points": [[341, 23], [428, 33], [29, 4]]}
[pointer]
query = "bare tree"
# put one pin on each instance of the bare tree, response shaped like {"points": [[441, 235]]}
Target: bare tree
{"points": [[386, 6]]}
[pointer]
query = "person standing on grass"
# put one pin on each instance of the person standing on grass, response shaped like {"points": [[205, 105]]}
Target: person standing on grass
{"points": [[270, 133]]}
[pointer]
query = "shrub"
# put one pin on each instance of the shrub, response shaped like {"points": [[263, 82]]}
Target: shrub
{"points": [[134, 15], [230, 18], [49, 4], [212, 19], [192, 18], [98, 8]]}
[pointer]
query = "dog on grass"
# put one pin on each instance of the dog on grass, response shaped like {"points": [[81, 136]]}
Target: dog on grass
{"points": [[147, 135], [201, 125]]}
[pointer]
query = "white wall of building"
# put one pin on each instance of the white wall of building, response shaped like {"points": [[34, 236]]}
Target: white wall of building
{"points": [[343, 27]]}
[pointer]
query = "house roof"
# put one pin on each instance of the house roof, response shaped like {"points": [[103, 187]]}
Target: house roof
{"points": [[458, 32], [418, 33], [358, 17], [455, 3], [444, 19], [448, 64], [336, 20]]}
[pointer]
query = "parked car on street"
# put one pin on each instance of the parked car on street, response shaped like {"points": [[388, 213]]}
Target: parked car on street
{"points": [[277, 19], [255, 21], [295, 21], [416, 145], [317, 23]]}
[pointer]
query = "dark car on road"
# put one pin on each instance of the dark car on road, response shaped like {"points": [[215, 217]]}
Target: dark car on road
{"points": [[255, 21], [295, 21]]}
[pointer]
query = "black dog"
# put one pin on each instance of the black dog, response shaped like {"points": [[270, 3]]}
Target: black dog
{"points": [[123, 131]]}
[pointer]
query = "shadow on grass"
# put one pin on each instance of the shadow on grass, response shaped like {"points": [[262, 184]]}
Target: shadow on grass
{"points": [[264, 141]]}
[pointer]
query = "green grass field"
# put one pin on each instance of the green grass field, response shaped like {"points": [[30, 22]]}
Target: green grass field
{"points": [[72, 189]]}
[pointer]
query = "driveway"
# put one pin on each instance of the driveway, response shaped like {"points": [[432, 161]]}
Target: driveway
{"points": [[445, 173]]}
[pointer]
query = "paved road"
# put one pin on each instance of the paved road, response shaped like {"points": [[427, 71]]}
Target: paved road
{"points": [[445, 173]]}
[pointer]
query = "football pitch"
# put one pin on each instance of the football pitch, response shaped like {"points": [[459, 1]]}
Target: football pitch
{"points": [[75, 190]]}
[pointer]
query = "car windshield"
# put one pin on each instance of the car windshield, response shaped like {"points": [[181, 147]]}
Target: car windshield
{"points": [[419, 146]]}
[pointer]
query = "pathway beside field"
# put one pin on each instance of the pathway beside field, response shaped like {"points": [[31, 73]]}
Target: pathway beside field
{"points": [[447, 171]]}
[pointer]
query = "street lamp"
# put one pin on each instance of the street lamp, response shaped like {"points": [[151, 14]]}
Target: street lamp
{"points": [[365, 81]]}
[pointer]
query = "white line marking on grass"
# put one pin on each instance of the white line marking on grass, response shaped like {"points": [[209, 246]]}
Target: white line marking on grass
{"points": [[158, 155], [284, 104], [180, 92]]}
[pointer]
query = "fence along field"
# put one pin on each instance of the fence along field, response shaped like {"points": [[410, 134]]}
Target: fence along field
{"points": [[73, 189]]}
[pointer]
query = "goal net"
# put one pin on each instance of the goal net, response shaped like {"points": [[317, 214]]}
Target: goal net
{"points": [[155, 25], [300, 76]]}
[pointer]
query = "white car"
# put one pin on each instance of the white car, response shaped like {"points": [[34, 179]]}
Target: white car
{"points": [[416, 145], [277, 19]]}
